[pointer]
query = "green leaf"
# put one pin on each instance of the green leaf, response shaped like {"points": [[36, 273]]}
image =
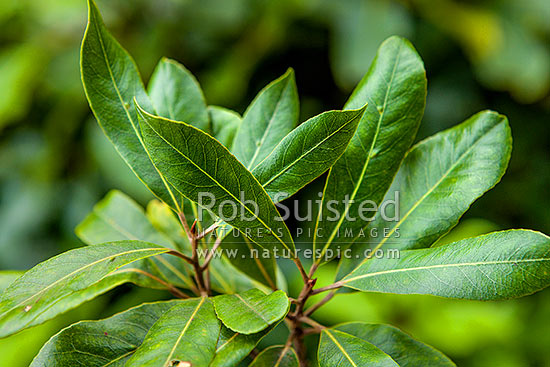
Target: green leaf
{"points": [[7, 277], [268, 119], [395, 90], [60, 283], [340, 349], [499, 265], [276, 356], [307, 152], [117, 218], [234, 347], [176, 94], [225, 124], [111, 81], [252, 311], [212, 171], [260, 268], [439, 179], [107, 342], [401, 347], [188, 333]]}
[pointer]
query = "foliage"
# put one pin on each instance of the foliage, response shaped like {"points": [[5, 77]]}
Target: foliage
{"points": [[179, 147]]}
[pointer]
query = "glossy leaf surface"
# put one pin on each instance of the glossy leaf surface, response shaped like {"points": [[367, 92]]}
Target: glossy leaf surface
{"points": [[344, 350], [306, 153], [225, 124], [395, 90], [268, 119], [211, 171], [276, 356], [252, 311], [108, 342], [176, 94], [188, 333], [111, 82], [117, 218], [495, 266], [234, 347], [60, 283], [401, 347], [439, 179]]}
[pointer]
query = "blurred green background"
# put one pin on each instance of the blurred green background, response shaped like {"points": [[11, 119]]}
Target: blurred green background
{"points": [[55, 163]]}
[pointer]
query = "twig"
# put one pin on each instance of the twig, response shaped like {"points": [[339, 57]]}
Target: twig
{"points": [[318, 305], [328, 287], [303, 273], [211, 253], [176, 292], [208, 230]]}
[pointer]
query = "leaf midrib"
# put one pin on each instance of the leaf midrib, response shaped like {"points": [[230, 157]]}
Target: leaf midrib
{"points": [[424, 196], [134, 127], [367, 162], [428, 267], [289, 166], [222, 187], [269, 125], [344, 352], [184, 330], [79, 270]]}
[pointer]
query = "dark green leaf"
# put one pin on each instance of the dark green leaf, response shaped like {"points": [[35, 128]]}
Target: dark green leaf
{"points": [[495, 266], [252, 311], [108, 342], [343, 350], [234, 347], [276, 356], [65, 281], [260, 268], [268, 119], [176, 95], [188, 333], [395, 90], [212, 171], [225, 124], [401, 347], [439, 179], [111, 81], [307, 152]]}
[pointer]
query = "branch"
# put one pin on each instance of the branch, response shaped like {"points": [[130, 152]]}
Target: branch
{"points": [[318, 305], [336, 285]]}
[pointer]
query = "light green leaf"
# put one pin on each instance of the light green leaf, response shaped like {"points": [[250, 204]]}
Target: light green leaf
{"points": [[276, 356], [268, 119], [225, 124], [188, 333], [111, 81], [252, 311], [107, 342], [307, 152], [234, 347], [117, 218], [340, 349], [60, 283], [213, 172], [401, 347], [439, 179], [176, 94], [395, 90], [7, 277], [162, 217], [495, 266]]}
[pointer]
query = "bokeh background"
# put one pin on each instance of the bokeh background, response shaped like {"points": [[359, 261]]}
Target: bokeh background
{"points": [[55, 163]]}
